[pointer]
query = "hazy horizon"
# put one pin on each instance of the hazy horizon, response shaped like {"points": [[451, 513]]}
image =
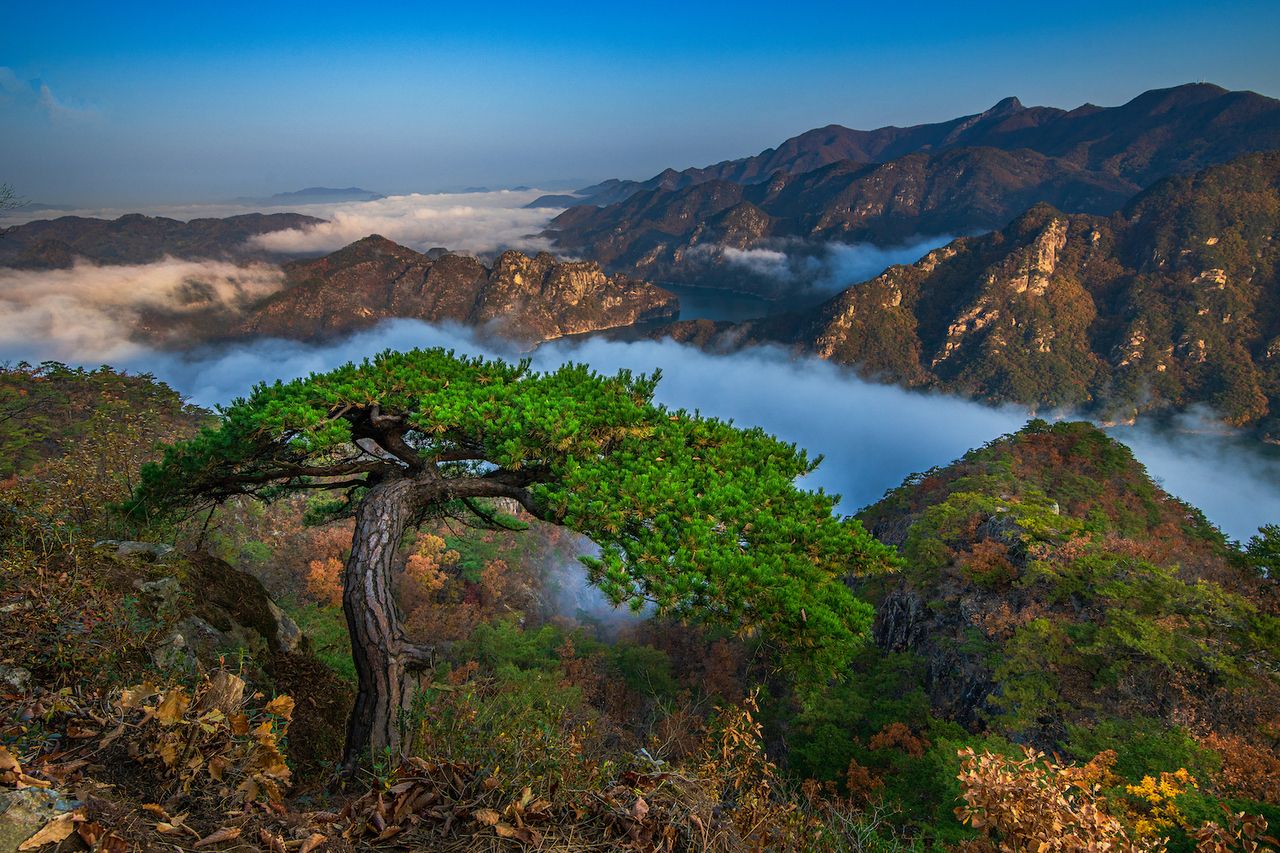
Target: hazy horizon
{"points": [[127, 106]]}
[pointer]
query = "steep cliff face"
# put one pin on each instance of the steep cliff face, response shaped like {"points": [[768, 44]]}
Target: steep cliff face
{"points": [[1172, 302], [1051, 584], [522, 298]]}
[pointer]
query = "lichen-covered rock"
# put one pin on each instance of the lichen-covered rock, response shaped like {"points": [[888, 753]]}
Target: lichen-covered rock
{"points": [[25, 812], [15, 678], [216, 611]]}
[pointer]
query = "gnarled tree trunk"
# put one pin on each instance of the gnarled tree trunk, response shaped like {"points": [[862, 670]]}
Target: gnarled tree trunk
{"points": [[383, 657]]}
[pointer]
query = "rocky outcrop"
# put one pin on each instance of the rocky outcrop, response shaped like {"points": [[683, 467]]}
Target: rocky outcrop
{"points": [[527, 299], [1173, 301], [959, 684], [25, 811], [215, 610], [1042, 576]]}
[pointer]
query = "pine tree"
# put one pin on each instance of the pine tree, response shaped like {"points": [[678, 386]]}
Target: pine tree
{"points": [[691, 513]]}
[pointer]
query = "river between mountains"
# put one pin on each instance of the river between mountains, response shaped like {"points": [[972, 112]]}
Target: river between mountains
{"points": [[703, 303]]}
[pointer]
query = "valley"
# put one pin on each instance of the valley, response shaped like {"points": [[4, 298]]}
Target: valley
{"points": [[906, 489]]}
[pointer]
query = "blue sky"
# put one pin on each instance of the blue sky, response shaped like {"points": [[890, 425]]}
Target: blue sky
{"points": [[119, 103]]}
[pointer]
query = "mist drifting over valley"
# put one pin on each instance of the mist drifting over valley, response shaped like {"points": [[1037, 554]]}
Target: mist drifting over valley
{"points": [[870, 435], [597, 427]]}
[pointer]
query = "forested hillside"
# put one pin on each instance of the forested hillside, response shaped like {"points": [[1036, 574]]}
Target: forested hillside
{"points": [[1048, 596]]}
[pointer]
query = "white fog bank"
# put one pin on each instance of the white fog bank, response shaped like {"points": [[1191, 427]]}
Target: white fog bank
{"points": [[872, 436]]}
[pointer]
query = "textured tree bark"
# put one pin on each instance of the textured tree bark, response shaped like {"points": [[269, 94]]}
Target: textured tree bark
{"points": [[385, 660], [382, 656]]}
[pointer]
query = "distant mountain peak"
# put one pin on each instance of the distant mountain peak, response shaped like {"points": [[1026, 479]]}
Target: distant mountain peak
{"points": [[1005, 106], [329, 193]]}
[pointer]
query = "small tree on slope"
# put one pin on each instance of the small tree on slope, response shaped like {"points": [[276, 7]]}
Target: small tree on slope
{"points": [[700, 517]]}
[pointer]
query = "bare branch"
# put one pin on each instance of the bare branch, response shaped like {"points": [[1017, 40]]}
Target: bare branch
{"points": [[490, 487], [416, 656], [331, 485], [488, 517]]}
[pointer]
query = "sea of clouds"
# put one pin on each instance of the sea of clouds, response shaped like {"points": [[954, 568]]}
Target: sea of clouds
{"points": [[871, 435], [824, 268], [88, 314], [479, 222]]}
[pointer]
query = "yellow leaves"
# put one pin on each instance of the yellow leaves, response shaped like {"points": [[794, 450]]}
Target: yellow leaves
{"points": [[312, 842], [1036, 804], [281, 706], [213, 735], [168, 752], [217, 767], [486, 817], [55, 830], [173, 706], [271, 842], [219, 836], [156, 809], [11, 773], [135, 696], [1156, 800]]}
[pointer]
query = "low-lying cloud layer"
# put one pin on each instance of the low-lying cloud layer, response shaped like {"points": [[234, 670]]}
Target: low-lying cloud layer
{"points": [[90, 313], [850, 263], [872, 436], [471, 222], [474, 223], [821, 267]]}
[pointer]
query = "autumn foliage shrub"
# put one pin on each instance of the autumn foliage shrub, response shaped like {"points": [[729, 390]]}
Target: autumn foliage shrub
{"points": [[1036, 804], [1249, 770], [212, 739], [1033, 803]]}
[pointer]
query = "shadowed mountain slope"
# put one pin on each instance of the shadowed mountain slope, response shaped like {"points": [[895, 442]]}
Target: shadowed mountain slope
{"points": [[1172, 302]]}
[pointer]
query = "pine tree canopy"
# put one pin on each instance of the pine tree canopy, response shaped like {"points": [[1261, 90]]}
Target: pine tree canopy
{"points": [[700, 517]]}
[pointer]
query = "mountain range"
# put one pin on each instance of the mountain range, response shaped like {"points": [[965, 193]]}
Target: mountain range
{"points": [[313, 195], [519, 298], [970, 174], [138, 239], [1171, 302], [1116, 260]]}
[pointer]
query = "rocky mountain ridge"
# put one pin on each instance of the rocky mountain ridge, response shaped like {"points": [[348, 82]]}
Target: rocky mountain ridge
{"points": [[138, 239], [1172, 302], [885, 186], [682, 237], [523, 298], [1161, 131]]}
